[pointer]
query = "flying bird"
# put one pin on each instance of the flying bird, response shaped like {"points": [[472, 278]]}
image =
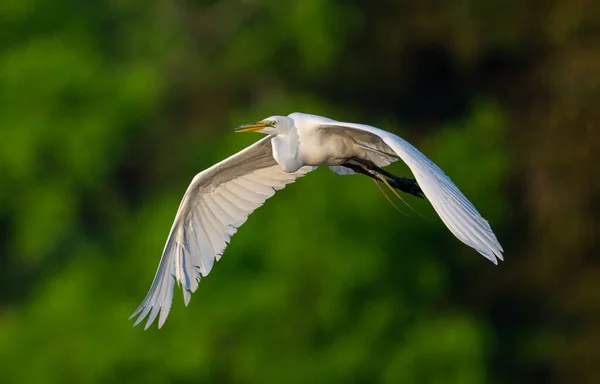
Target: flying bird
{"points": [[220, 198]]}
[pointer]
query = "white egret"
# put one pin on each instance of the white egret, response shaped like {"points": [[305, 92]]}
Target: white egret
{"points": [[220, 198]]}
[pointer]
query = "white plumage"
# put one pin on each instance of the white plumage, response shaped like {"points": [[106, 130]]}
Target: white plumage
{"points": [[219, 199]]}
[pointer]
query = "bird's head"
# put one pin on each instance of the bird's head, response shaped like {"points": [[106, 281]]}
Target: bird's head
{"points": [[273, 125]]}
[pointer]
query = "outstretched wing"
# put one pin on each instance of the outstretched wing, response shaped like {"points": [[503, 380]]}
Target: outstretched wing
{"points": [[455, 210], [217, 202]]}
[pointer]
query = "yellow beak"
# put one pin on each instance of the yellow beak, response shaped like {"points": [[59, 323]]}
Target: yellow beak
{"points": [[251, 127]]}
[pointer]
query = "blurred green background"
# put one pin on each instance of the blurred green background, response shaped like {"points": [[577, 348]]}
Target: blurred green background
{"points": [[108, 109]]}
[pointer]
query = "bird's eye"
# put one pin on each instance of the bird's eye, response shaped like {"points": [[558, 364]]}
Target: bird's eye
{"points": [[272, 123]]}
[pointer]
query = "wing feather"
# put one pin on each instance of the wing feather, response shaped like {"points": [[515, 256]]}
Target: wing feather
{"points": [[230, 208], [220, 215], [255, 186], [216, 203], [455, 210], [266, 180], [245, 194]]}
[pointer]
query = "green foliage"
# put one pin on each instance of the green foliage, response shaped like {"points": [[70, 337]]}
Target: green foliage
{"points": [[107, 110]]}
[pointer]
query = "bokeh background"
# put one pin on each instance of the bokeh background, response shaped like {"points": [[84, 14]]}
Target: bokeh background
{"points": [[108, 109]]}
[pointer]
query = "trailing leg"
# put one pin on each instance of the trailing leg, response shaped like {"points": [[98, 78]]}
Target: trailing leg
{"points": [[406, 185]]}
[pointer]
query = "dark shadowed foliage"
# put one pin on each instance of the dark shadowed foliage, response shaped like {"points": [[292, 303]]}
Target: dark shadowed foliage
{"points": [[108, 109]]}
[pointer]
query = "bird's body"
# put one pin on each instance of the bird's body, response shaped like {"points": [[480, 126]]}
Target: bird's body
{"points": [[315, 141], [220, 198], [307, 144]]}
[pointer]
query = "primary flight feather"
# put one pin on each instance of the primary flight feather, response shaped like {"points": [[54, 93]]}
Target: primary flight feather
{"points": [[219, 199]]}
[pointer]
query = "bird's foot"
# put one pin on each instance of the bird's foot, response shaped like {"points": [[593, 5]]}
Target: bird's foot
{"points": [[407, 185]]}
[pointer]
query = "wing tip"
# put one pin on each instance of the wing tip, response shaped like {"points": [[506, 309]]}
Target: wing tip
{"points": [[500, 256], [187, 296], [138, 320], [151, 312], [149, 322], [136, 312], [493, 254]]}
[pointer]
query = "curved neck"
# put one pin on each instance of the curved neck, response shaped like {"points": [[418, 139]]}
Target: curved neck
{"points": [[285, 151]]}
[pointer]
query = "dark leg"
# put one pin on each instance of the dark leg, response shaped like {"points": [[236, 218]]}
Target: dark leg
{"points": [[404, 184]]}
